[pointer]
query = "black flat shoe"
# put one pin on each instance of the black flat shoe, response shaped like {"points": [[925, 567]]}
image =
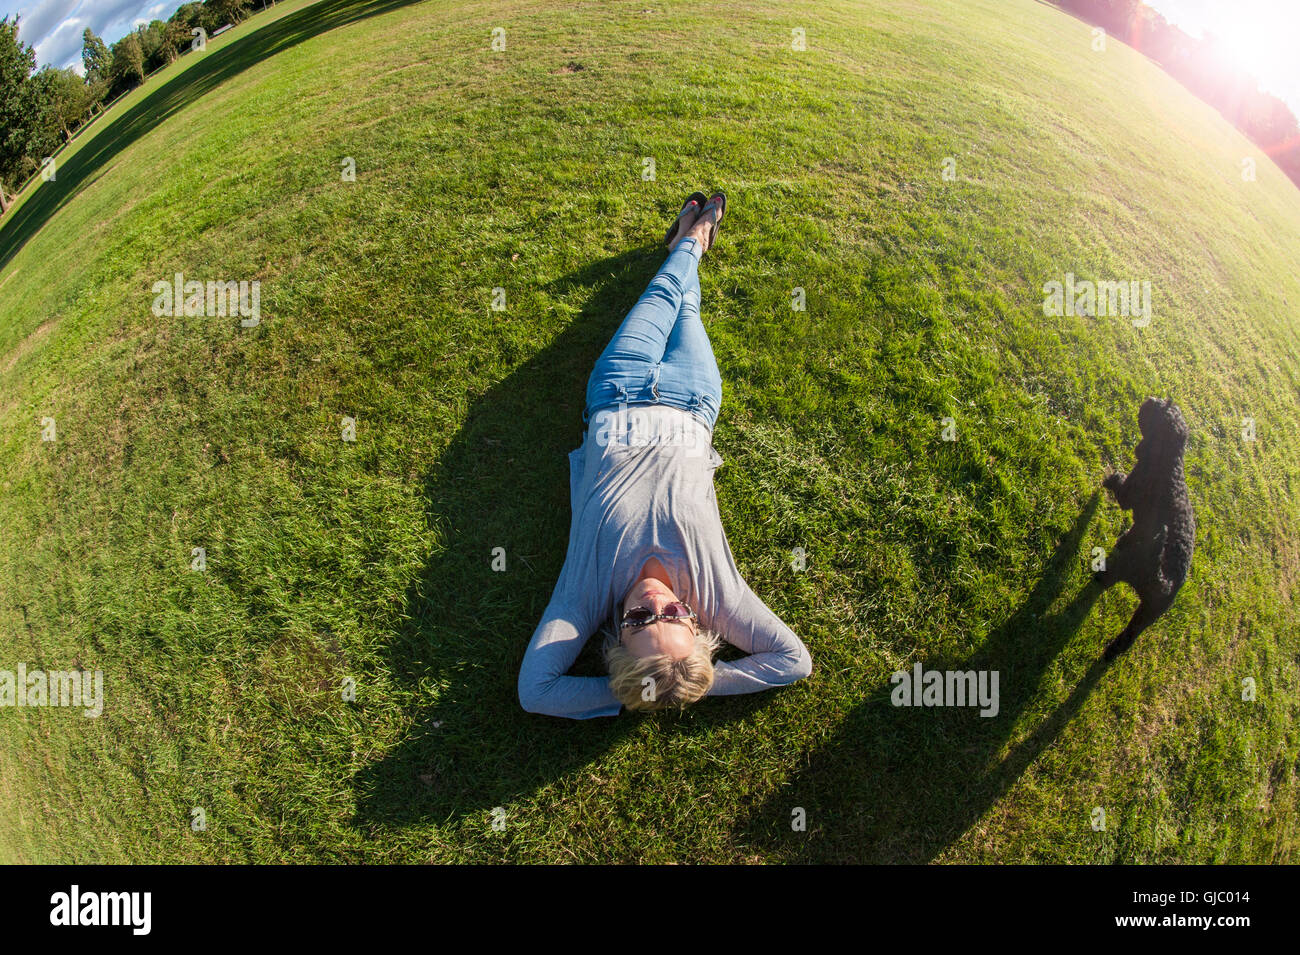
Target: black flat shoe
{"points": [[722, 213], [699, 199]]}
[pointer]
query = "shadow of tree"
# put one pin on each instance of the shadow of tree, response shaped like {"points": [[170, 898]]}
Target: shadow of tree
{"points": [[900, 784], [502, 481], [212, 69]]}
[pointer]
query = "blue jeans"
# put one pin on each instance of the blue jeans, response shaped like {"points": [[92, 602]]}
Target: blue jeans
{"points": [[661, 354]]}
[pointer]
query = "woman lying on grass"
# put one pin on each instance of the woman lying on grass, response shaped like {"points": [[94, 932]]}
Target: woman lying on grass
{"points": [[647, 554]]}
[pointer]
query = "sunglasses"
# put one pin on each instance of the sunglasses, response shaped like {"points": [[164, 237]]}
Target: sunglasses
{"points": [[639, 617]]}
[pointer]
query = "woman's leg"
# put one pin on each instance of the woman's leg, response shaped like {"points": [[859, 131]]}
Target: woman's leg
{"points": [[688, 373], [628, 369]]}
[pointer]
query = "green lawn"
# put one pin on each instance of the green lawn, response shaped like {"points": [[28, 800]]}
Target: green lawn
{"points": [[479, 169]]}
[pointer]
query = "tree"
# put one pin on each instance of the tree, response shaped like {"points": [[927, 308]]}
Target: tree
{"points": [[220, 12], [95, 57], [44, 124], [127, 70], [181, 24], [68, 96], [176, 36], [17, 61], [153, 45], [188, 15]]}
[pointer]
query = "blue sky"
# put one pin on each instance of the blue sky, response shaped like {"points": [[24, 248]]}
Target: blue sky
{"points": [[1261, 35], [54, 27]]}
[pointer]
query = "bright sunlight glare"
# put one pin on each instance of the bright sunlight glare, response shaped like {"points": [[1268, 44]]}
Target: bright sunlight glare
{"points": [[1259, 36]]}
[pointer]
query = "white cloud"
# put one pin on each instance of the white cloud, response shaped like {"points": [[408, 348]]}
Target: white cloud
{"points": [[40, 19], [62, 44]]}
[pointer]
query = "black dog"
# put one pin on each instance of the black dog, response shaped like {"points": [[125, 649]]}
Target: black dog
{"points": [[1153, 555]]}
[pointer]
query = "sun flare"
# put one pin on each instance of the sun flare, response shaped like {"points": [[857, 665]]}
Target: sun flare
{"points": [[1257, 36]]}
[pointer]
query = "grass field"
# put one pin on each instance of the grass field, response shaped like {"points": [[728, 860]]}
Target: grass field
{"points": [[522, 169]]}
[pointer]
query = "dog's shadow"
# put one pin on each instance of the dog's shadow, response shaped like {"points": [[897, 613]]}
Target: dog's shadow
{"points": [[503, 481], [901, 784]]}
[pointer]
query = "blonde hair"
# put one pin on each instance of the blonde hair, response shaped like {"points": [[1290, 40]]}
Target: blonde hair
{"points": [[672, 682]]}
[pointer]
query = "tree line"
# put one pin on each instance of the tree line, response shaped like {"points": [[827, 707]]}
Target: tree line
{"points": [[1205, 70], [42, 109]]}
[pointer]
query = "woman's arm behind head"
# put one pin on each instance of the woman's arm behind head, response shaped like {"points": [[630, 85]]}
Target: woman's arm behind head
{"points": [[543, 686]]}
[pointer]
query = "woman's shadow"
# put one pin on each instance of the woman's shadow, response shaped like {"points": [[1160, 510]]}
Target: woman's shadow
{"points": [[502, 482], [897, 784], [900, 784]]}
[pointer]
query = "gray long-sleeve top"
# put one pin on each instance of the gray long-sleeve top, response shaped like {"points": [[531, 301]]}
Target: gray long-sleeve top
{"points": [[641, 485]]}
